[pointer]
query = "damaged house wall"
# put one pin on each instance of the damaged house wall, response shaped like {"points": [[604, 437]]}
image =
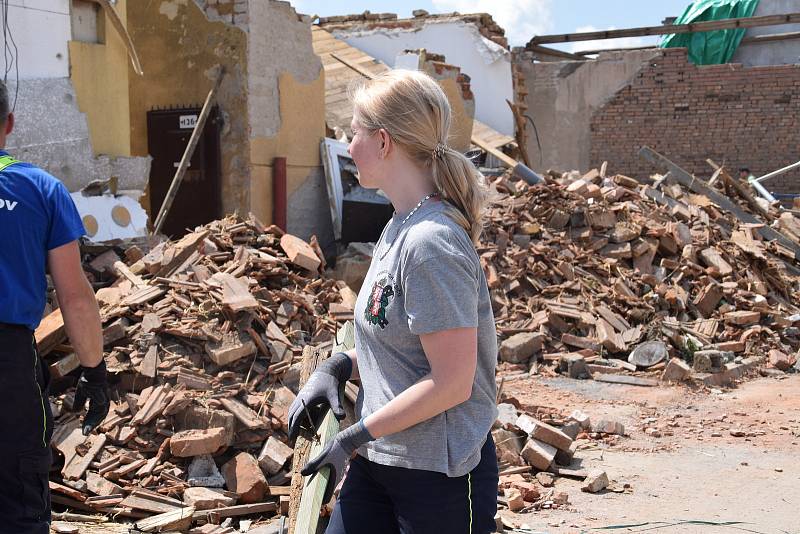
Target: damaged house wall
{"points": [[52, 129], [271, 100], [286, 88], [179, 49], [562, 98], [487, 63], [735, 115]]}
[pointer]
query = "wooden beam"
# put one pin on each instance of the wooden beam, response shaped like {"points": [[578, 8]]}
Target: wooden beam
{"points": [[116, 21], [724, 24], [188, 153], [629, 49], [362, 71], [740, 188], [504, 158], [700, 187], [306, 497], [552, 52], [753, 39]]}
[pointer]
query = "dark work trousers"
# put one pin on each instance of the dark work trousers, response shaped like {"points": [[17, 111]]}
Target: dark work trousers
{"points": [[381, 499], [26, 425]]}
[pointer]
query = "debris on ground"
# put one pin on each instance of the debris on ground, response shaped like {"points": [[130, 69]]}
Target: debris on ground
{"points": [[203, 339], [604, 277]]}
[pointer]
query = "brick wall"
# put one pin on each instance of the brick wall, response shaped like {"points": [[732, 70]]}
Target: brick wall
{"points": [[742, 116]]}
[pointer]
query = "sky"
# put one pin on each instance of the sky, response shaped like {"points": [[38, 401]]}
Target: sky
{"points": [[522, 19]]}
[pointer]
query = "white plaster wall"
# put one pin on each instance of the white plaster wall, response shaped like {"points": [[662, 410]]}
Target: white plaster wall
{"points": [[41, 30], [485, 62]]}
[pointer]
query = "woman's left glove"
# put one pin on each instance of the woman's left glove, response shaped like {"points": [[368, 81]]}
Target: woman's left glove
{"points": [[337, 454]]}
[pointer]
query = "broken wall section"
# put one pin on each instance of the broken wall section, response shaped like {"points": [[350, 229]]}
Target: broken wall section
{"points": [[563, 96], [739, 116], [473, 42], [179, 50], [51, 132], [286, 105]]}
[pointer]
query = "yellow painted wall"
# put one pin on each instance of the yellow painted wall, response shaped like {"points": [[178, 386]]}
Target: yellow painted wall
{"points": [[302, 109], [99, 74], [178, 47]]}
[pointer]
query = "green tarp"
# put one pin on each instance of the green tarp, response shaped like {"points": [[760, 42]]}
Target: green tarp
{"points": [[711, 48]]}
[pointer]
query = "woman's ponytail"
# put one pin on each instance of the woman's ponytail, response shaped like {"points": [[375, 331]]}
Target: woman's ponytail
{"points": [[461, 186]]}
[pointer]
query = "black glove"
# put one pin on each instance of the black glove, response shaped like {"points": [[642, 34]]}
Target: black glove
{"points": [[324, 388], [93, 386], [337, 454]]}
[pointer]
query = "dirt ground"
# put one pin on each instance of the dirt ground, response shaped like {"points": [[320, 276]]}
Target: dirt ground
{"points": [[696, 471]]}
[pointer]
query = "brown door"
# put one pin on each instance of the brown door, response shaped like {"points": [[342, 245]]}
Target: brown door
{"points": [[199, 198]]}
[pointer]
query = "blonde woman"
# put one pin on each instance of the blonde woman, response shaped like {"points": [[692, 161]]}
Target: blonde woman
{"points": [[426, 347]]}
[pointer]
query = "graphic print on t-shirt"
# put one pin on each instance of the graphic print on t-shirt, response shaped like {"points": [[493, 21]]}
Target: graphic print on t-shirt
{"points": [[383, 291]]}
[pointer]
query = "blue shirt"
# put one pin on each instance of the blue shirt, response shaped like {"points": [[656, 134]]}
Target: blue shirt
{"points": [[36, 215]]}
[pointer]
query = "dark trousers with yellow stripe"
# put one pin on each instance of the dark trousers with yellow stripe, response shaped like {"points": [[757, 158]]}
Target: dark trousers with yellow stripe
{"points": [[26, 425], [394, 500]]}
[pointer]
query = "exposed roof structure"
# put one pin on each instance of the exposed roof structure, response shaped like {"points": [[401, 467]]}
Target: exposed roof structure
{"points": [[368, 21], [342, 63]]}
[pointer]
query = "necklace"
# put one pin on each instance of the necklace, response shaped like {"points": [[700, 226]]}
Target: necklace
{"points": [[419, 204]]}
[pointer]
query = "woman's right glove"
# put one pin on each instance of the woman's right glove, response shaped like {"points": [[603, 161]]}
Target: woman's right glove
{"points": [[336, 455], [324, 389]]}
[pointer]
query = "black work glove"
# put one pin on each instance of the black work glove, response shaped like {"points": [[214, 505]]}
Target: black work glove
{"points": [[94, 387], [324, 389], [336, 455]]}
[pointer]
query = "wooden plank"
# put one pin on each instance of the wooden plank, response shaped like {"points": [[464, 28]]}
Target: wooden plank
{"points": [[752, 39], [175, 520], [695, 27], [233, 511], [123, 271], [78, 464], [740, 188], [150, 502], [698, 186], [307, 492], [50, 332], [505, 159], [553, 53], [625, 379]]}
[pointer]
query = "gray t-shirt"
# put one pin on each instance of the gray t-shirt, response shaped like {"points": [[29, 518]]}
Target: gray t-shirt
{"points": [[425, 277]]}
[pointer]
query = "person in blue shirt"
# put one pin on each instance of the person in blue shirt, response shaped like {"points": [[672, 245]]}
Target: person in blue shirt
{"points": [[39, 229]]}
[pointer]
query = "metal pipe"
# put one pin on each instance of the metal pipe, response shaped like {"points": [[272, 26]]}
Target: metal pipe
{"points": [[279, 192], [761, 190], [776, 173]]}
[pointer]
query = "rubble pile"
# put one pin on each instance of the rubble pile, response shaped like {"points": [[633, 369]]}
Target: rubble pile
{"points": [[606, 276], [202, 337], [534, 450]]}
